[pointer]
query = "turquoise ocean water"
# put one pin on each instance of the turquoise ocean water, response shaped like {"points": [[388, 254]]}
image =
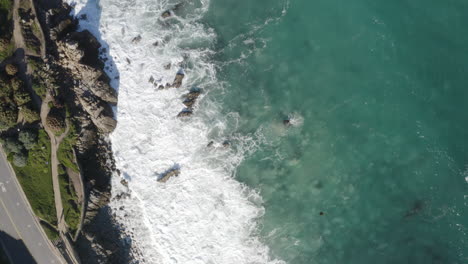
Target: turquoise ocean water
{"points": [[379, 92]]}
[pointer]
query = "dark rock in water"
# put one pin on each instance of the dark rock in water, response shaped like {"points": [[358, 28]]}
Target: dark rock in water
{"points": [[287, 122], [151, 80], [167, 175], [156, 43], [178, 79], [210, 144], [161, 87], [128, 61], [167, 66], [189, 102], [83, 17], [185, 113], [193, 94], [166, 14], [124, 182], [226, 144], [136, 39]]}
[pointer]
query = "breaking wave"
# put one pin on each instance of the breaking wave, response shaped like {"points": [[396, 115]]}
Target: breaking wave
{"points": [[203, 215]]}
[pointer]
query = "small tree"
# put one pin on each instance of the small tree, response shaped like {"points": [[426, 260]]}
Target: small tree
{"points": [[16, 84], [12, 146], [20, 160], [29, 115], [55, 120], [11, 69], [21, 97], [8, 116], [28, 139], [5, 89]]}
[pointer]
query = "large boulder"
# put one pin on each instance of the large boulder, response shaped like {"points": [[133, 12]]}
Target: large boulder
{"points": [[169, 174], [100, 113]]}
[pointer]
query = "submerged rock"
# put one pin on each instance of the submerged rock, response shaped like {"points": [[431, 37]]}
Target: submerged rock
{"points": [[185, 113]]}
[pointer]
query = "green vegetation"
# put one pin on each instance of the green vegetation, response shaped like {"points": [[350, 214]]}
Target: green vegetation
{"points": [[29, 115], [28, 138], [13, 95], [40, 89], [36, 179], [65, 151], [6, 45], [35, 29], [8, 115], [6, 5], [71, 207], [6, 48], [50, 231]]}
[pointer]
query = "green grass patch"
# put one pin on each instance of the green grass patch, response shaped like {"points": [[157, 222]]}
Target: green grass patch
{"points": [[6, 4], [65, 151], [40, 89], [71, 207], [50, 231], [36, 179]]}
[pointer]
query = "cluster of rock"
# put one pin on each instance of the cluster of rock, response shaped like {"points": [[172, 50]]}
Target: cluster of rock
{"points": [[91, 83], [72, 67], [175, 84]]}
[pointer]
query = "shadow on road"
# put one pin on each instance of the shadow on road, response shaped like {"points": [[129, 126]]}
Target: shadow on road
{"points": [[16, 249]]}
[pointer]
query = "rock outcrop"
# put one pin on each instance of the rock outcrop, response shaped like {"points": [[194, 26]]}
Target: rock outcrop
{"points": [[73, 71], [189, 102], [164, 177], [91, 84]]}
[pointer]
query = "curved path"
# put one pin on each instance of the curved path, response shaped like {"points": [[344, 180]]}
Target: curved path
{"points": [[19, 223], [54, 145]]}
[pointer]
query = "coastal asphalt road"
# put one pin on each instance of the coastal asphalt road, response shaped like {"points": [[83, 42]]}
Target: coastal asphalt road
{"points": [[17, 223]]}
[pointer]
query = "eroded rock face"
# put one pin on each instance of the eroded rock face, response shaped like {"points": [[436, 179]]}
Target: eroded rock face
{"points": [[100, 113], [91, 85]]}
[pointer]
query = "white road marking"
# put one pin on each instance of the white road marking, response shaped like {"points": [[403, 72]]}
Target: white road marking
{"points": [[2, 186]]}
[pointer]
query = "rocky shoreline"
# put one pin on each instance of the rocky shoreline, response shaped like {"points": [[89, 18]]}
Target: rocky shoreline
{"points": [[73, 70]]}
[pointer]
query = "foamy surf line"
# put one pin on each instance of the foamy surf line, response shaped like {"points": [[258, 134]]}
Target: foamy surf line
{"points": [[203, 215]]}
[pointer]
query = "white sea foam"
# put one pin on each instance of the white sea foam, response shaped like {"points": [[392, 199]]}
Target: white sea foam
{"points": [[204, 215]]}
